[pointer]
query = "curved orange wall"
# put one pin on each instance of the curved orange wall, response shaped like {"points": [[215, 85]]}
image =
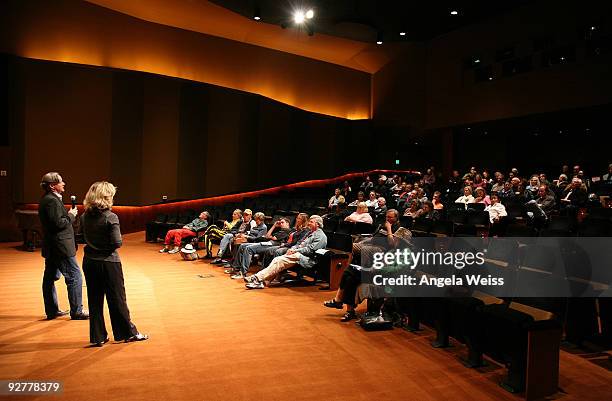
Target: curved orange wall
{"points": [[79, 32]]}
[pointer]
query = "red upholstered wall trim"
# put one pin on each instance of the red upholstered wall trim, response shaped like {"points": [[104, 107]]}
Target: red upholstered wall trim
{"points": [[134, 218]]}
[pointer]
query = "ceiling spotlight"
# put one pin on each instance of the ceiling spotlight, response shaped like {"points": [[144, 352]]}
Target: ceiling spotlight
{"points": [[379, 42], [256, 14], [593, 28], [490, 78], [379, 38], [257, 18], [298, 17], [310, 13], [477, 61], [402, 33], [454, 12]]}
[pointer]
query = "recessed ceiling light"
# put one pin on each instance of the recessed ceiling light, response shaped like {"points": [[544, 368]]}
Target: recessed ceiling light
{"points": [[454, 12], [256, 18], [402, 33], [477, 61], [379, 42], [298, 17], [490, 78], [310, 13], [593, 28]]}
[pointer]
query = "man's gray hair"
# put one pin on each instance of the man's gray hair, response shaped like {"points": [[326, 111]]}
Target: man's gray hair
{"points": [[259, 216], [318, 219], [49, 179], [394, 211]]}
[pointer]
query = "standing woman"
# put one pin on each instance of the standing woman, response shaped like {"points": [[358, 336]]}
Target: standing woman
{"points": [[102, 267]]}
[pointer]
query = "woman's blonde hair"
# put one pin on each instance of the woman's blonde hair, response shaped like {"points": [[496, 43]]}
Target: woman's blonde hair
{"points": [[362, 206], [301, 218], [100, 196]]}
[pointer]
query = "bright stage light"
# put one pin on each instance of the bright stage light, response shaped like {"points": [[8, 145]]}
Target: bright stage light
{"points": [[298, 17]]}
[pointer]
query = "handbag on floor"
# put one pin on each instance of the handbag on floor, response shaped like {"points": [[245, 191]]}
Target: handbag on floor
{"points": [[376, 321]]}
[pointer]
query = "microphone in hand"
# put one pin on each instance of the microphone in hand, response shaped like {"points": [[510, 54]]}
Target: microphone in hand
{"points": [[73, 200]]}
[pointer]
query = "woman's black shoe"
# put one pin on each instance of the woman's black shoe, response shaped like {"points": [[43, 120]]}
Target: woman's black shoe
{"points": [[99, 344], [332, 303], [350, 315]]}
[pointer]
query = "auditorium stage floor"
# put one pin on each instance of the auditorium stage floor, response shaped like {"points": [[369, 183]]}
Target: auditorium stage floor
{"points": [[213, 340]]}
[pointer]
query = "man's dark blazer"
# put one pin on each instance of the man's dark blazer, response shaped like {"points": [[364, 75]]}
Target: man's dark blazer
{"points": [[58, 241]]}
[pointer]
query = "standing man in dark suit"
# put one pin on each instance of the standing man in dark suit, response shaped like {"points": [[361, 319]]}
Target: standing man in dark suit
{"points": [[59, 249]]}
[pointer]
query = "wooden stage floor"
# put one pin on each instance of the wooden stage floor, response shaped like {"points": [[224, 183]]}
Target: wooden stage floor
{"points": [[213, 340]]}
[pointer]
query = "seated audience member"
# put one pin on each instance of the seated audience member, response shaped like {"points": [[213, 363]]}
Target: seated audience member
{"points": [[360, 198], [214, 232], [303, 254], [543, 205], [174, 237], [586, 183], [367, 185], [575, 171], [498, 185], [575, 196], [372, 200], [522, 193], [516, 182], [382, 241], [381, 188], [300, 230], [566, 170], [534, 185], [560, 185], [255, 232], [543, 180], [276, 235], [403, 198], [478, 182], [339, 212], [470, 174], [397, 186], [381, 209], [346, 190], [496, 209], [507, 192], [333, 201], [454, 183], [429, 179], [608, 176], [437, 203], [428, 212], [421, 195], [361, 215], [486, 179], [482, 197], [414, 209], [227, 239], [467, 196]]}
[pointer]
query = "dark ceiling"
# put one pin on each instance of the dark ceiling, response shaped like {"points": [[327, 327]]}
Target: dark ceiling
{"points": [[365, 20]]}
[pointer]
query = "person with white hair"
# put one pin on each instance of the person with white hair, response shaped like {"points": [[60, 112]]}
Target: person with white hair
{"points": [[302, 253], [574, 196]]}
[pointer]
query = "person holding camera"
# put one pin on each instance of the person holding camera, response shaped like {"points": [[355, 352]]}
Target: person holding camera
{"points": [[59, 249]]}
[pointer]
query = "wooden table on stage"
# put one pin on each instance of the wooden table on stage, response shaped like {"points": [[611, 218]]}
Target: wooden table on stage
{"points": [[29, 224]]}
